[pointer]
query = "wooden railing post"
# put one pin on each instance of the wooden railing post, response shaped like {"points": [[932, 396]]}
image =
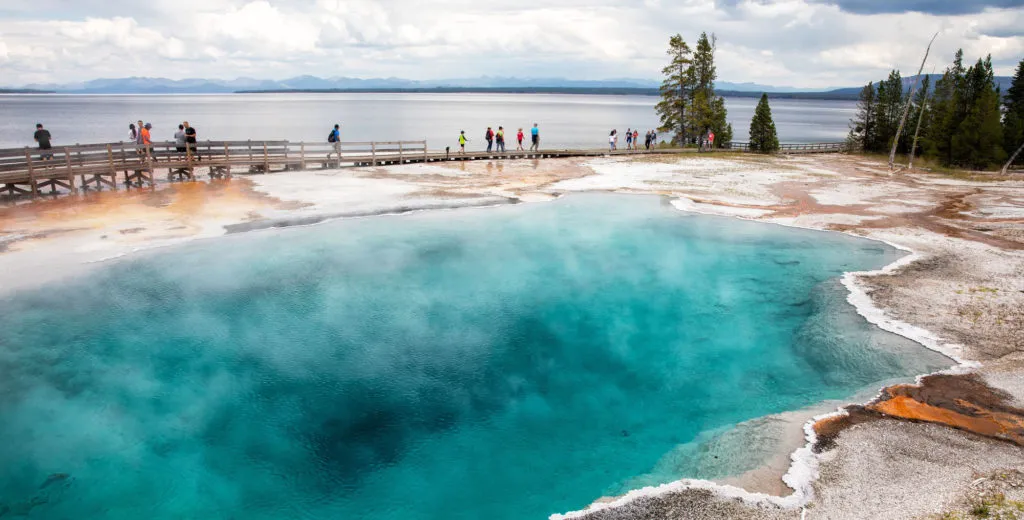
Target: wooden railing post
{"points": [[373, 153], [424, 152], [71, 173], [31, 173], [227, 160], [266, 159], [110, 159], [400, 158]]}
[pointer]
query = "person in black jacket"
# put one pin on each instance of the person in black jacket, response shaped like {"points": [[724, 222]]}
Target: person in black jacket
{"points": [[42, 136]]}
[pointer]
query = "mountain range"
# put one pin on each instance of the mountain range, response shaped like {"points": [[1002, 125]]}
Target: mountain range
{"points": [[144, 85]]}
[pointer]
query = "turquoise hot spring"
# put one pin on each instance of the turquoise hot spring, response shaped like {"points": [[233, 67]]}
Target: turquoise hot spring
{"points": [[503, 363]]}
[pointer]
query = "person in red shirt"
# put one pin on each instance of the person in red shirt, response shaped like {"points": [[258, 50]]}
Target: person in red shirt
{"points": [[519, 139]]}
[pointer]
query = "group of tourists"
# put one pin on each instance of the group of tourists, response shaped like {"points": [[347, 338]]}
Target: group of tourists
{"points": [[184, 138], [632, 139], [498, 138]]}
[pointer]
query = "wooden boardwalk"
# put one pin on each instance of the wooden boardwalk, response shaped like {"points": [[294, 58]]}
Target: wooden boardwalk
{"points": [[23, 171]]}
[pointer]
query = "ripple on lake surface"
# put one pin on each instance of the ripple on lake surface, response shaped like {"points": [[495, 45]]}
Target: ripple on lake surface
{"points": [[491, 363]]}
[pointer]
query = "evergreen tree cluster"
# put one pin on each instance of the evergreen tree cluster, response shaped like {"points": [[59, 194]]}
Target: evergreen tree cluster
{"points": [[689, 108], [964, 121]]}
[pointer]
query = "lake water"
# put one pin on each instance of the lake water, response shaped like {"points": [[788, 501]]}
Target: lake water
{"points": [[499, 363], [566, 121]]}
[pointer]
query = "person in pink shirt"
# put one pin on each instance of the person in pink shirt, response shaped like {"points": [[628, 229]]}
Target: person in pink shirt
{"points": [[519, 139]]}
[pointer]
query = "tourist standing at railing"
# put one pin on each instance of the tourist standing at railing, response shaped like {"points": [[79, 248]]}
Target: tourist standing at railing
{"points": [[535, 138], [179, 139], [519, 140], [133, 134], [489, 136], [629, 138], [139, 149], [611, 140], [190, 140], [147, 139], [636, 139], [335, 139], [42, 136], [500, 138]]}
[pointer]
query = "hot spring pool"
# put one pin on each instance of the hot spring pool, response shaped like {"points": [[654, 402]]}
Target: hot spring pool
{"points": [[499, 363]]}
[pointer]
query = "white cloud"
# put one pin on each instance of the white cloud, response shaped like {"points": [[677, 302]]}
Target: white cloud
{"points": [[792, 42]]}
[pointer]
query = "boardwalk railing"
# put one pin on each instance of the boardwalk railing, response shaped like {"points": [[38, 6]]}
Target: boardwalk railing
{"points": [[28, 171], [795, 148]]}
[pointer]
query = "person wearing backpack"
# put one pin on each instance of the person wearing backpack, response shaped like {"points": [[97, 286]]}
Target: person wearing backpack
{"points": [[489, 136], [335, 139], [501, 139]]}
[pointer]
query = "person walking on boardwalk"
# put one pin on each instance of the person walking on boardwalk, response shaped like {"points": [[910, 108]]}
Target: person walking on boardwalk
{"points": [[500, 138], [611, 140], [535, 138], [636, 139], [147, 139], [335, 139], [489, 136], [179, 139], [133, 134], [519, 140], [462, 142], [647, 140], [190, 140], [42, 136], [629, 138]]}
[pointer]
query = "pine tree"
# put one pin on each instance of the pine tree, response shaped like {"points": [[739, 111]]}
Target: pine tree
{"points": [[763, 137], [676, 89], [978, 140], [1013, 120], [947, 112], [862, 126], [888, 109], [707, 110]]}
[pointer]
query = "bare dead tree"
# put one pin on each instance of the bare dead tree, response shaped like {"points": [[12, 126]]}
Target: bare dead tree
{"points": [[906, 109], [1012, 158]]}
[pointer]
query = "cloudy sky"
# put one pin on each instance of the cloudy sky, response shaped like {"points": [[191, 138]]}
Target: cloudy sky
{"points": [[803, 43]]}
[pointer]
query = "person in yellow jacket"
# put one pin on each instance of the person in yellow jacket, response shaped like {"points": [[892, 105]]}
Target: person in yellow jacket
{"points": [[462, 142]]}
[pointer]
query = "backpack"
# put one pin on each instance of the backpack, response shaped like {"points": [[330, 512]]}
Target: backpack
{"points": [[331, 138]]}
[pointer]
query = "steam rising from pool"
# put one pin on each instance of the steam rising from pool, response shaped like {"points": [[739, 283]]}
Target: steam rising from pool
{"points": [[491, 363]]}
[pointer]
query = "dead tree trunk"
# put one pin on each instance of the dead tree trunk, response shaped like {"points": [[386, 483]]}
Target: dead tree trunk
{"points": [[1006, 166], [906, 109], [913, 147]]}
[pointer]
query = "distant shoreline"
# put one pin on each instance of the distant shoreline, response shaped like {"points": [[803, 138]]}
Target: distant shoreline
{"points": [[609, 91], [586, 91]]}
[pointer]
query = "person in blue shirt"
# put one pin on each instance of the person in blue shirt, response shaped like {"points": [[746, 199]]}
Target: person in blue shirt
{"points": [[535, 138], [335, 139]]}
